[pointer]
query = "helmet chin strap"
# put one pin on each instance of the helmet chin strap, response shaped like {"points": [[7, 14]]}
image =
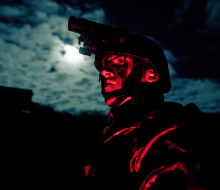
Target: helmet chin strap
{"points": [[116, 103], [119, 95]]}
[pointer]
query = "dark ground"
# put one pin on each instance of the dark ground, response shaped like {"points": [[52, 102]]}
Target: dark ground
{"points": [[44, 148], [41, 147]]}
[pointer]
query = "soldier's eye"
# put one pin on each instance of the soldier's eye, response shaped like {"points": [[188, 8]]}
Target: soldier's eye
{"points": [[119, 61]]}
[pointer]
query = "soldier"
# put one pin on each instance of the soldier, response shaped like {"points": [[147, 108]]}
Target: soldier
{"points": [[148, 143], [142, 145]]}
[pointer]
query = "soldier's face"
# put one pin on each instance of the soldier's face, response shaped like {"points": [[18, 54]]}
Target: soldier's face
{"points": [[114, 69]]}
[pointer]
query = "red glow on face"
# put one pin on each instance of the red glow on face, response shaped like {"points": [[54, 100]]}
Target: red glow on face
{"points": [[149, 75], [112, 82], [86, 170], [113, 70], [139, 154]]}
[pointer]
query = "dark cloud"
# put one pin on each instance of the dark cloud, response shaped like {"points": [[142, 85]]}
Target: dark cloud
{"points": [[204, 93], [188, 28], [12, 12]]}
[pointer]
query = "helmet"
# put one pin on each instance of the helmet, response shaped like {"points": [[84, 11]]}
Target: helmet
{"points": [[145, 52]]}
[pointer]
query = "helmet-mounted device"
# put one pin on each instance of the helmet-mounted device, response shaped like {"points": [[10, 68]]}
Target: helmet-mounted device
{"points": [[101, 39]]}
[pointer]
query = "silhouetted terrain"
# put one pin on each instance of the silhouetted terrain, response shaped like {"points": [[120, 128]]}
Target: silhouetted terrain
{"points": [[44, 148]]}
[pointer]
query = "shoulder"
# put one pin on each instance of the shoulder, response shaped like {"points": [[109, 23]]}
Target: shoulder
{"points": [[173, 109]]}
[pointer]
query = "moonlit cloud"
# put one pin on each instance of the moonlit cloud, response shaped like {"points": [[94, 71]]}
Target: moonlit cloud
{"points": [[39, 53], [204, 93], [35, 54], [10, 12]]}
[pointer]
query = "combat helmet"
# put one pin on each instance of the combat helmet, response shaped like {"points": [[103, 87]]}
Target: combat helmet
{"points": [[145, 52]]}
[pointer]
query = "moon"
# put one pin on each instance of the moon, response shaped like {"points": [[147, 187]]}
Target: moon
{"points": [[72, 55]]}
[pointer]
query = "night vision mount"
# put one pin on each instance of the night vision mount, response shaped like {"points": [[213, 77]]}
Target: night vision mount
{"points": [[97, 38]]}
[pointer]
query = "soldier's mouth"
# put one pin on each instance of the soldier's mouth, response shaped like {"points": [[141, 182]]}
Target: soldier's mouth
{"points": [[109, 82]]}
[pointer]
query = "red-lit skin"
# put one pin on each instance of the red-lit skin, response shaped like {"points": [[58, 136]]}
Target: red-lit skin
{"points": [[114, 72], [86, 170], [149, 75]]}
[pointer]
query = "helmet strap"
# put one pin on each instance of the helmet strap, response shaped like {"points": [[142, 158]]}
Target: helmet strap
{"points": [[116, 103], [126, 68]]}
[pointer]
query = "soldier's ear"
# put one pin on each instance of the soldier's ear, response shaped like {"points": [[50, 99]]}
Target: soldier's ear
{"points": [[149, 75]]}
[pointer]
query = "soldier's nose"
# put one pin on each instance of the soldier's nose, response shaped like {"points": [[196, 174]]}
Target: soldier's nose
{"points": [[106, 73]]}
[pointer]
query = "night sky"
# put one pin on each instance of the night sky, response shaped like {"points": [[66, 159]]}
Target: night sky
{"points": [[37, 51]]}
